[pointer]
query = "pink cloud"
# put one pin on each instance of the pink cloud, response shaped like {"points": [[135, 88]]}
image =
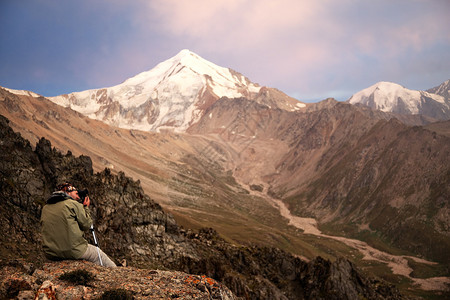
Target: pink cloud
{"points": [[273, 42]]}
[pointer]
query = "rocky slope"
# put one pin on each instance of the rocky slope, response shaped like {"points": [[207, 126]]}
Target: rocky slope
{"points": [[377, 183], [83, 280], [131, 226], [341, 165]]}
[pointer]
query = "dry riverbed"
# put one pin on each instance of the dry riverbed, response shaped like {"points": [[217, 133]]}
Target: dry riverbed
{"points": [[397, 263]]}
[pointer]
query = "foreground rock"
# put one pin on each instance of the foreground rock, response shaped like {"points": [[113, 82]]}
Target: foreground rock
{"points": [[89, 281]]}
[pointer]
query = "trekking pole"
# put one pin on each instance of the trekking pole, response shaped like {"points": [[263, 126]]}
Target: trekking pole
{"points": [[96, 244]]}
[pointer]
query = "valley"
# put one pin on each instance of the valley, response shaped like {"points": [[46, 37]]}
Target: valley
{"points": [[397, 263]]}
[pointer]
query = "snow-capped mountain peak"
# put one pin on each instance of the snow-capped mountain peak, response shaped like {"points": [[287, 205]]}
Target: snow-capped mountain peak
{"points": [[392, 97], [223, 82], [384, 96], [171, 95]]}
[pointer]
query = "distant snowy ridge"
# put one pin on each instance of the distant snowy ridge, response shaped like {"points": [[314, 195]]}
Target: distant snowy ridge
{"points": [[171, 95], [442, 90], [392, 97], [22, 92]]}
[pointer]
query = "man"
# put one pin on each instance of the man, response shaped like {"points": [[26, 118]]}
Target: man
{"points": [[63, 221]]}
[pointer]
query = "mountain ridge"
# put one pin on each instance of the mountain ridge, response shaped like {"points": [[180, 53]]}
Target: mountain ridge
{"points": [[394, 98], [172, 95], [176, 92]]}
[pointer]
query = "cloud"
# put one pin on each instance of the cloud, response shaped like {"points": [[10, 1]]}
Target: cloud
{"points": [[301, 47], [292, 40], [304, 48], [237, 23]]}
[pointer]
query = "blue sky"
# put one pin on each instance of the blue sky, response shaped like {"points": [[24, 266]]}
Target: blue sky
{"points": [[310, 50]]}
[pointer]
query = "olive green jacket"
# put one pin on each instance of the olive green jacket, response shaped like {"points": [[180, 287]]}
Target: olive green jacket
{"points": [[63, 221]]}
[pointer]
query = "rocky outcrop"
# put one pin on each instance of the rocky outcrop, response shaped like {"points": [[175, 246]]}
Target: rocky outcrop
{"points": [[279, 275], [84, 280], [133, 227]]}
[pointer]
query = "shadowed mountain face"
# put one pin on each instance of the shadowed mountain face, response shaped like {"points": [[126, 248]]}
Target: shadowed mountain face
{"points": [[358, 172]]}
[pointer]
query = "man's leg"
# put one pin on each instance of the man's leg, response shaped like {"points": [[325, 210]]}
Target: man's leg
{"points": [[91, 255]]}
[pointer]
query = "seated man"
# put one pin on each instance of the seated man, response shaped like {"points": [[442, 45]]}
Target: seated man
{"points": [[63, 221]]}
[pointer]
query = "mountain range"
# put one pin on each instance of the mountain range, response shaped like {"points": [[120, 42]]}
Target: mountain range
{"points": [[175, 94], [216, 150]]}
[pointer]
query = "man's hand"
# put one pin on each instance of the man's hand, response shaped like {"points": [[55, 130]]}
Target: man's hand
{"points": [[87, 201]]}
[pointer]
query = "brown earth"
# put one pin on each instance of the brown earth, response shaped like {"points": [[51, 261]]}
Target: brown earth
{"points": [[24, 280]]}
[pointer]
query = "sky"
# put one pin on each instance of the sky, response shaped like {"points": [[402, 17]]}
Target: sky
{"points": [[309, 49]]}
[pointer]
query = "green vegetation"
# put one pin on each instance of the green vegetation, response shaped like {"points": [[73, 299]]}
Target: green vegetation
{"points": [[422, 270], [372, 238]]}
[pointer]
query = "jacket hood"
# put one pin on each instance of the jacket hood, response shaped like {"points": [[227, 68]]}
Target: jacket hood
{"points": [[57, 197]]}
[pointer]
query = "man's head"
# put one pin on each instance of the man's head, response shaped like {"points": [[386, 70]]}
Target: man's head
{"points": [[69, 189]]}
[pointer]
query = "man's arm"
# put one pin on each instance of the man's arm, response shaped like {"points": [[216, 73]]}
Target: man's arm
{"points": [[84, 215]]}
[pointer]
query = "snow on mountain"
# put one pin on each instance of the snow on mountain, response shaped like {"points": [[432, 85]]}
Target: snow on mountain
{"points": [[22, 92], [442, 89], [392, 97], [172, 95]]}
